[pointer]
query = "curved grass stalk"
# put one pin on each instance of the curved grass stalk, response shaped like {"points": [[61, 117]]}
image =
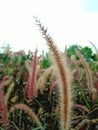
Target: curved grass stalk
{"points": [[94, 48], [28, 110], [64, 80], [88, 74]]}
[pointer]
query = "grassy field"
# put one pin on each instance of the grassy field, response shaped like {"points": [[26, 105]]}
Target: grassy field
{"points": [[53, 91]]}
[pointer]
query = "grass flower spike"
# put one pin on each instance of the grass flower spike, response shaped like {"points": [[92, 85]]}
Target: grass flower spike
{"points": [[63, 77]]}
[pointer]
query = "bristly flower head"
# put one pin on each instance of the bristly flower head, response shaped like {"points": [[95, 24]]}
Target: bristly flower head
{"points": [[63, 77]]}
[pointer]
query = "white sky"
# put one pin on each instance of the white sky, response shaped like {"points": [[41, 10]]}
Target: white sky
{"points": [[68, 22]]}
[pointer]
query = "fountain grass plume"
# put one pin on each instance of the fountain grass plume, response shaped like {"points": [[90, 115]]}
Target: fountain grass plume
{"points": [[3, 110], [91, 89], [63, 76], [9, 90], [30, 87], [28, 110], [42, 79]]}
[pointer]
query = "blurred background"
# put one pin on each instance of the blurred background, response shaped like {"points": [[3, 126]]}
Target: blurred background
{"points": [[68, 22]]}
